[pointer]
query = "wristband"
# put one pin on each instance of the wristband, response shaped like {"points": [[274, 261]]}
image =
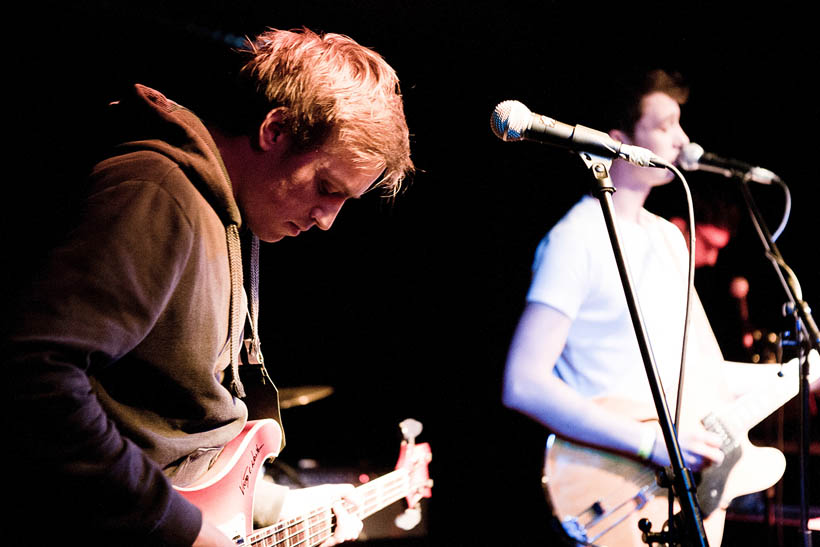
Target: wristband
{"points": [[647, 444]]}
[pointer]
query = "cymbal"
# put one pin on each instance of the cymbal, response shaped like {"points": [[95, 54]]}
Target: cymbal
{"points": [[260, 398], [298, 396]]}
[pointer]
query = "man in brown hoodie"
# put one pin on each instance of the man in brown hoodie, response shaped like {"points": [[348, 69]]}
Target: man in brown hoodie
{"points": [[124, 354]]}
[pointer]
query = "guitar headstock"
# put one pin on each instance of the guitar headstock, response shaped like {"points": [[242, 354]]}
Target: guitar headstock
{"points": [[792, 369], [414, 458]]}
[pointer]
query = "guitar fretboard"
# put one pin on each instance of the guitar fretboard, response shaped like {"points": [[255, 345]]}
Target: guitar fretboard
{"points": [[315, 527]]}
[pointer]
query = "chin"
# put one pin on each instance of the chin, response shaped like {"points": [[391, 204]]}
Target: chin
{"points": [[269, 232], [270, 237], [664, 178]]}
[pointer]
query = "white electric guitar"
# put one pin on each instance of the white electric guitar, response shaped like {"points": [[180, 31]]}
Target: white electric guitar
{"points": [[599, 496]]}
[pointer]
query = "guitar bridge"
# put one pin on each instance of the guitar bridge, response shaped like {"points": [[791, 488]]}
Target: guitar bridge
{"points": [[596, 514]]}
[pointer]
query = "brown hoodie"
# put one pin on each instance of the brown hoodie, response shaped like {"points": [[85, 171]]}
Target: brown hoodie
{"points": [[118, 356]]}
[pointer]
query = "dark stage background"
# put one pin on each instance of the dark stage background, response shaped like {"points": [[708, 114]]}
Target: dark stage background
{"points": [[407, 310]]}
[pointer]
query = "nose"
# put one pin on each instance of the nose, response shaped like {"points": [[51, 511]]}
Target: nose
{"points": [[683, 138], [325, 213]]}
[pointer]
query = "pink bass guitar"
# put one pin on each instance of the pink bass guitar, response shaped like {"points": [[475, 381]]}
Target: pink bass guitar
{"points": [[225, 492]]}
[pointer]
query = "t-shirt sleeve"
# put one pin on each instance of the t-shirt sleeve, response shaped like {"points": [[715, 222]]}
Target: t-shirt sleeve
{"points": [[561, 271]]}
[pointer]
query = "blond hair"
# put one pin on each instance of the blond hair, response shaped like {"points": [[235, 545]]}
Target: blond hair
{"points": [[335, 93]]}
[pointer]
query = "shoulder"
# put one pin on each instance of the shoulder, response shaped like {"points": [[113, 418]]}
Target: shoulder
{"points": [[144, 166], [670, 233], [581, 228], [150, 176]]}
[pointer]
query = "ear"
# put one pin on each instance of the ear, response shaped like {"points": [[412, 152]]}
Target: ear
{"points": [[620, 136], [272, 131]]}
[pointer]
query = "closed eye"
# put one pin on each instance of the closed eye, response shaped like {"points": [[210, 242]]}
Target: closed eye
{"points": [[327, 188]]}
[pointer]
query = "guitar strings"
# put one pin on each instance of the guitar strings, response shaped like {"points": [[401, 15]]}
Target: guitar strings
{"points": [[374, 499]]}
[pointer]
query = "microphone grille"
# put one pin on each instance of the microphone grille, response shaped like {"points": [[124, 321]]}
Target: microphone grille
{"points": [[690, 155], [510, 120]]}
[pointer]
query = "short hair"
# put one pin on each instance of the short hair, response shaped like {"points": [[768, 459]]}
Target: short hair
{"points": [[628, 92], [335, 92]]}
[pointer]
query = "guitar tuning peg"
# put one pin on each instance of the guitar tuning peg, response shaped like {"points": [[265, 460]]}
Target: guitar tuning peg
{"points": [[409, 518], [410, 429]]}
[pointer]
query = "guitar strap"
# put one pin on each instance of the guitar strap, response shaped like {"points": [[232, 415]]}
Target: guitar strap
{"points": [[252, 345]]}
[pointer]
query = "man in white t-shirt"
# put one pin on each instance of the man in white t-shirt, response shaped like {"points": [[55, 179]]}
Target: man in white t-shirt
{"points": [[574, 364]]}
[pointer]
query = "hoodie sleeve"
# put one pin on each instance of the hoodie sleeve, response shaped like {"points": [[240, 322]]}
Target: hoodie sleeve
{"points": [[99, 296]]}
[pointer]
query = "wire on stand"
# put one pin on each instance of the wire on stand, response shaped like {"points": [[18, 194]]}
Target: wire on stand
{"points": [[687, 527]]}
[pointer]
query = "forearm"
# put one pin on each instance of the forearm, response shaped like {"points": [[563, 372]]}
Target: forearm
{"points": [[531, 388], [561, 409], [102, 483]]}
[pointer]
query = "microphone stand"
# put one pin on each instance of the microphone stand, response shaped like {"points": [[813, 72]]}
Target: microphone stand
{"points": [[681, 481], [807, 337]]}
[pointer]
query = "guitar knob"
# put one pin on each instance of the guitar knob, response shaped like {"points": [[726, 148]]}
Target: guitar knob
{"points": [[645, 525], [409, 518]]}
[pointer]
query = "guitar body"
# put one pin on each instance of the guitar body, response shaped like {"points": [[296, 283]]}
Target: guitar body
{"points": [[604, 495], [225, 493]]}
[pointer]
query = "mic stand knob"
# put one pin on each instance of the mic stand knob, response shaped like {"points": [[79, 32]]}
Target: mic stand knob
{"points": [[649, 537]]}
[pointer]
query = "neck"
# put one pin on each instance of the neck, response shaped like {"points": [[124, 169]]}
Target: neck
{"points": [[630, 192], [233, 151]]}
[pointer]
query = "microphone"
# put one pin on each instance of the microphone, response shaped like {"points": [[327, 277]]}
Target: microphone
{"points": [[512, 121], [693, 158]]}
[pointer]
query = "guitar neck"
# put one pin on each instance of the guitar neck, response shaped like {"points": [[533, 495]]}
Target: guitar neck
{"points": [[317, 525], [751, 408]]}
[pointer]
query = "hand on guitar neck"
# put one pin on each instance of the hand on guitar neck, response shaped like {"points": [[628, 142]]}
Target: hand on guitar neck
{"points": [[343, 499], [348, 528]]}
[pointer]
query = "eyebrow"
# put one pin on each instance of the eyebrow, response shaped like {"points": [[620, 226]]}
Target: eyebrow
{"points": [[344, 190], [671, 117], [339, 187]]}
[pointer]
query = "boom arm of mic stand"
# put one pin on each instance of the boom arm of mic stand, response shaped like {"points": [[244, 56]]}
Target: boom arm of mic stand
{"points": [[682, 479], [806, 321], [789, 282]]}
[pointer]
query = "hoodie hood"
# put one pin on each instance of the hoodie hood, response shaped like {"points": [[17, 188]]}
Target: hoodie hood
{"points": [[147, 120]]}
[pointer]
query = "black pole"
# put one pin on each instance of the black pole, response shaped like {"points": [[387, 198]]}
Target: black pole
{"points": [[807, 337], [683, 485]]}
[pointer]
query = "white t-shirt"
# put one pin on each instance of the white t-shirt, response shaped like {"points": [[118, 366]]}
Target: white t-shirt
{"points": [[575, 272]]}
